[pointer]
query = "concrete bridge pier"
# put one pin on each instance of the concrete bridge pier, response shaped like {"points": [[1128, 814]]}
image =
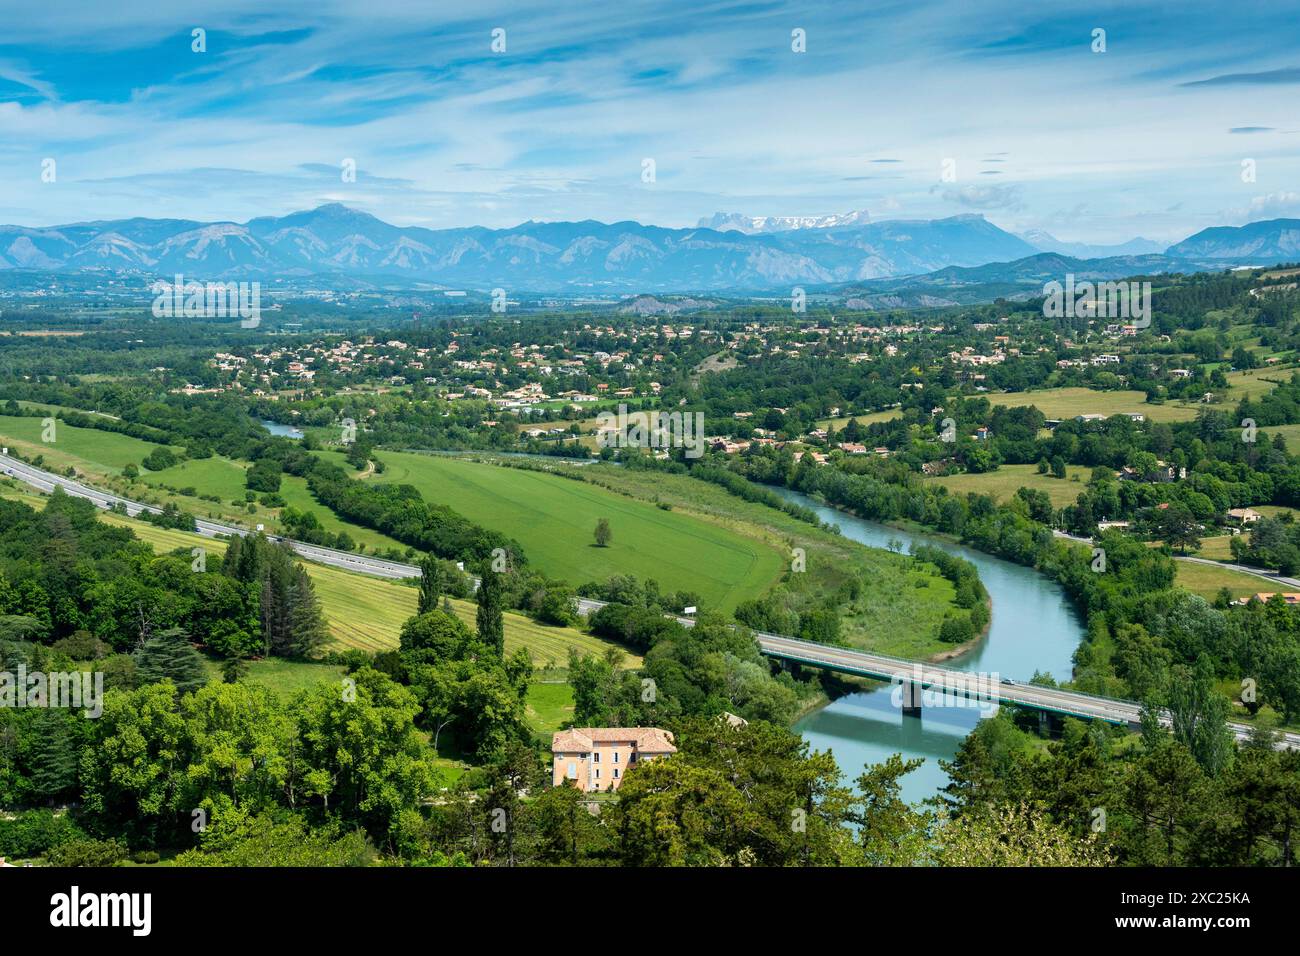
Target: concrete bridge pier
{"points": [[793, 668], [911, 699]]}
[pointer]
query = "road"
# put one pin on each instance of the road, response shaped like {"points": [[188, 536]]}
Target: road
{"points": [[843, 660]]}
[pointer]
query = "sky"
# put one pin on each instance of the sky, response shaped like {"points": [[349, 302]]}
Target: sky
{"points": [[1035, 126]]}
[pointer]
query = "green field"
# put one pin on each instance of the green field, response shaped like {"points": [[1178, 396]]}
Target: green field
{"points": [[284, 678], [208, 476], [295, 493], [1005, 481], [1216, 547], [1063, 403], [104, 452], [553, 519], [1207, 581], [548, 706]]}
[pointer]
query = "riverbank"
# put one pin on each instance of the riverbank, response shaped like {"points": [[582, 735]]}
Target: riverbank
{"points": [[1034, 629]]}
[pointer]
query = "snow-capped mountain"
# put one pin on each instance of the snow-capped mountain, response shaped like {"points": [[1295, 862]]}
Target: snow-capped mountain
{"points": [[737, 222]]}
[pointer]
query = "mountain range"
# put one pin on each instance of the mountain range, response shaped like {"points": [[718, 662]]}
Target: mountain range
{"points": [[734, 254]]}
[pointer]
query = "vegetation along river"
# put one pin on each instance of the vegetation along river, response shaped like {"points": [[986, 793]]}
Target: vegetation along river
{"points": [[1034, 628]]}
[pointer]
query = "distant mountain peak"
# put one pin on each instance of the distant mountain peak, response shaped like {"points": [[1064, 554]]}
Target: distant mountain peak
{"points": [[1044, 240], [752, 225]]}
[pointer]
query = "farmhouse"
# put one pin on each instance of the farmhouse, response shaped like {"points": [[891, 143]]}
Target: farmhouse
{"points": [[595, 758], [1243, 515]]}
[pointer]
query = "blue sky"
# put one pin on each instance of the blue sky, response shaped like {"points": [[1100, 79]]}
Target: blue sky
{"points": [[1145, 139]]}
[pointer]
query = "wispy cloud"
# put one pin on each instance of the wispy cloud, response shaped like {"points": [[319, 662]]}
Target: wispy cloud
{"points": [[1263, 78], [446, 131]]}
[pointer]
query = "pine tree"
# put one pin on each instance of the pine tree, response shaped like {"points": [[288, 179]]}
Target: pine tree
{"points": [[54, 756], [307, 628], [490, 620], [169, 654], [430, 584]]}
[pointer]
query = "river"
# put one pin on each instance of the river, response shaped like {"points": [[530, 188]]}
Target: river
{"points": [[1033, 628], [284, 431]]}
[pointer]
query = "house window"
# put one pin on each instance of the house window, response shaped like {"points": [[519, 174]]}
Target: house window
{"points": [[616, 771], [595, 757], [597, 773], [615, 756], [631, 758], [573, 771]]}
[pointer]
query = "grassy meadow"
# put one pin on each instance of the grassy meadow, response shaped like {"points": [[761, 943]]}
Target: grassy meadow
{"points": [[1004, 482], [86, 449], [554, 519], [1207, 580]]}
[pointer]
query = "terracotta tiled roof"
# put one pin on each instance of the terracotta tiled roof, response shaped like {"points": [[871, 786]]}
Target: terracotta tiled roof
{"points": [[582, 739]]}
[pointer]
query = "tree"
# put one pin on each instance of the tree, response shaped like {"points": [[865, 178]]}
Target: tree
{"points": [[307, 627], [1199, 716], [365, 760], [435, 635], [234, 670], [603, 533], [430, 584], [168, 655], [490, 619], [1015, 836], [54, 757], [1177, 527]]}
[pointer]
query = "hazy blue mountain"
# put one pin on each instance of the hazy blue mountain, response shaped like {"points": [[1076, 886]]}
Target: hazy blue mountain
{"points": [[334, 240], [1263, 243], [1084, 250]]}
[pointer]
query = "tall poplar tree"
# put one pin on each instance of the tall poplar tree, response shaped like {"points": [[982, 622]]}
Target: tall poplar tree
{"points": [[490, 620], [430, 584]]}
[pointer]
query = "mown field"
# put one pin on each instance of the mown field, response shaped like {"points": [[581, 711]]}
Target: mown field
{"points": [[1008, 479], [554, 519], [1062, 403]]}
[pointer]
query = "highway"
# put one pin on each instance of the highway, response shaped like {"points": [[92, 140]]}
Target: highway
{"points": [[841, 659]]}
